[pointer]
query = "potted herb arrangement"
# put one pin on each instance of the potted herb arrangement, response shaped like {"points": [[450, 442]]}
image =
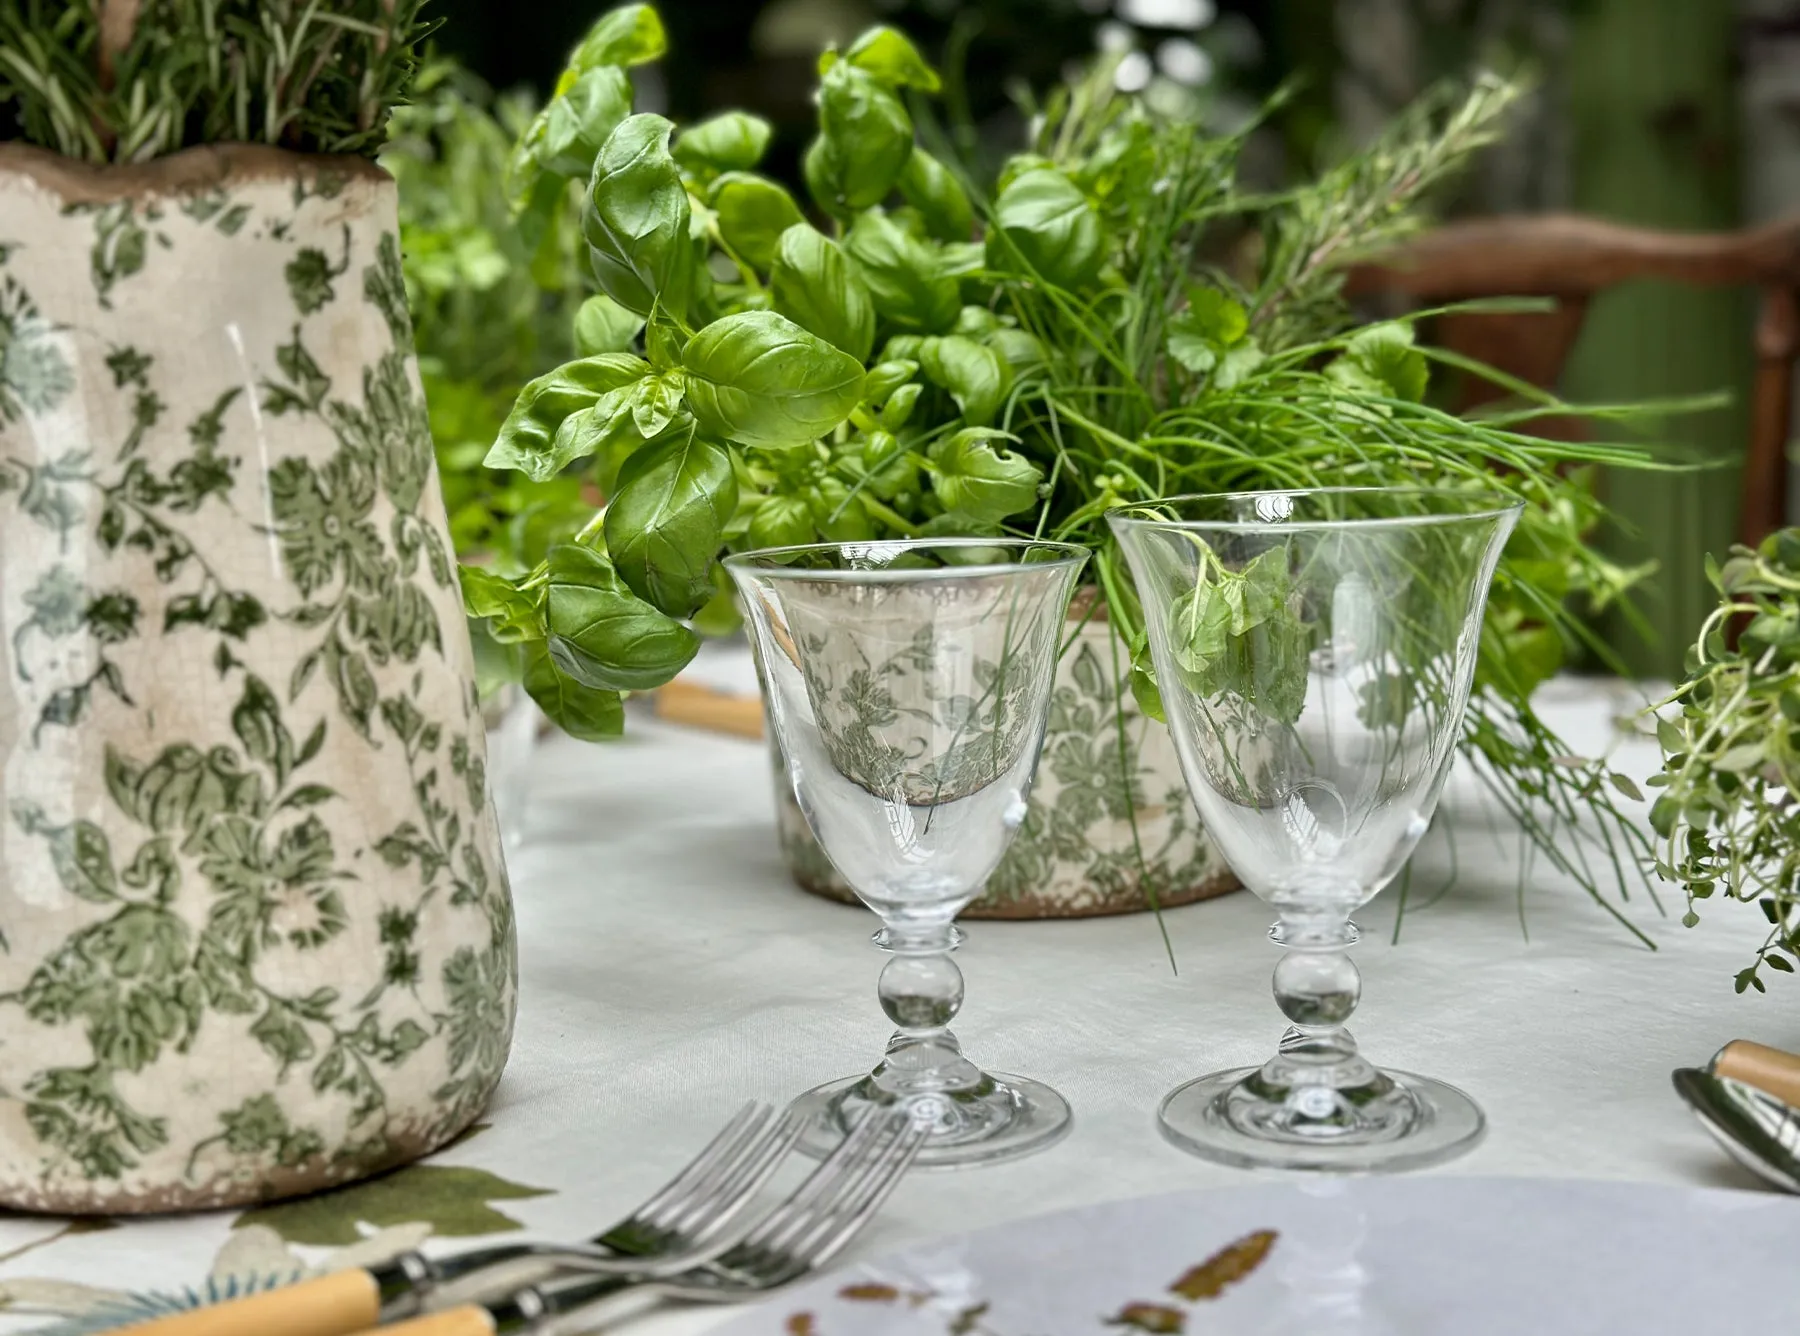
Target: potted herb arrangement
{"points": [[1725, 820], [257, 936], [903, 353]]}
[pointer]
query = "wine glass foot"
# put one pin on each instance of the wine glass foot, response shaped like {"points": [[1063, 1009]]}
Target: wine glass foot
{"points": [[1002, 1118], [1415, 1123]]}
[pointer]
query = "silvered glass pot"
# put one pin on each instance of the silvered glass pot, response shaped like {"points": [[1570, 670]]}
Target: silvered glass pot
{"points": [[909, 684], [1314, 651]]}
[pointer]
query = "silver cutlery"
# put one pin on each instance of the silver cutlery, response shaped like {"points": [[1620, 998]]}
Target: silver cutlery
{"points": [[1742, 1097], [688, 1221], [794, 1240]]}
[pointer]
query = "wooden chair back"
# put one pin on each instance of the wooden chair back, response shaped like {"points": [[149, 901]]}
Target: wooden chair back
{"points": [[1569, 260]]}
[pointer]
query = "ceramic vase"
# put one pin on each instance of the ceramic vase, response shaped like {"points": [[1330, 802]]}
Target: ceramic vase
{"points": [[255, 932], [1109, 829]]}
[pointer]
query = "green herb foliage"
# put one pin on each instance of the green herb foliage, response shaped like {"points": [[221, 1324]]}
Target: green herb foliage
{"points": [[128, 82], [490, 312], [1725, 819], [1113, 321]]}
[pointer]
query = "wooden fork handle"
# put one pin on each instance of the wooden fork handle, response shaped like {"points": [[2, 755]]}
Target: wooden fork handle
{"points": [[465, 1321], [334, 1305], [1770, 1070]]}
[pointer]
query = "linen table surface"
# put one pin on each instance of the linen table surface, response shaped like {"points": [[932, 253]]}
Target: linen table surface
{"points": [[670, 971]]}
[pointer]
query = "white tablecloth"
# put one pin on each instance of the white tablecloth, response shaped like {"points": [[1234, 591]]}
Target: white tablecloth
{"points": [[670, 971]]}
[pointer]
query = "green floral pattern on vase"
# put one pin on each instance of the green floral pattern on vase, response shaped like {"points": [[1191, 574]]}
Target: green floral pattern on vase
{"points": [[1109, 829], [255, 933]]}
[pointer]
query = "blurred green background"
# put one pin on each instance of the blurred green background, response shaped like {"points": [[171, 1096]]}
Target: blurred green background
{"points": [[1671, 113]]}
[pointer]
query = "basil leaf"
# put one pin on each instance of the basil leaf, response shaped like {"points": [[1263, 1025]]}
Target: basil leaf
{"points": [[1144, 688], [635, 222], [565, 137], [528, 435], [865, 137], [975, 376], [898, 410], [1018, 349], [628, 35], [818, 168], [781, 521], [562, 142], [954, 524], [1200, 629], [812, 284], [665, 525], [888, 465], [932, 189], [1017, 165], [732, 142], [608, 430], [583, 713], [973, 478], [753, 212], [663, 339], [975, 322], [757, 378], [887, 377], [965, 260], [603, 635], [889, 56], [1043, 219], [841, 517], [655, 400], [603, 326], [905, 276], [512, 615], [1236, 635]]}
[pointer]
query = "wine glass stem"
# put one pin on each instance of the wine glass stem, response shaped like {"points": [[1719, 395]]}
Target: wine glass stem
{"points": [[1317, 987], [921, 990]]}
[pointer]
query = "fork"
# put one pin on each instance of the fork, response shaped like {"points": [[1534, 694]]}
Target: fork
{"points": [[797, 1238], [687, 1222]]}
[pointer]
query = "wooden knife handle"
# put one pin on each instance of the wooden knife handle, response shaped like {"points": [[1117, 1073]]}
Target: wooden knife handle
{"points": [[465, 1321], [1768, 1069], [698, 707], [334, 1305]]}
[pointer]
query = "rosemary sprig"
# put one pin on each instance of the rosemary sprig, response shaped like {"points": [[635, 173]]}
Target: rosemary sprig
{"points": [[117, 81], [1125, 422]]}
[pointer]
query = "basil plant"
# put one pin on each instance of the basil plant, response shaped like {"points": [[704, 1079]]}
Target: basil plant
{"points": [[728, 389]]}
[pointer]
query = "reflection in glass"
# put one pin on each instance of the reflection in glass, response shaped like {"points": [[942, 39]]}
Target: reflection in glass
{"points": [[1314, 651], [909, 684]]}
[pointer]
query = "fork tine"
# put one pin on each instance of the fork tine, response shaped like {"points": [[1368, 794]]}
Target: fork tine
{"points": [[820, 1197], [690, 1191], [706, 1218], [838, 1229], [828, 1210], [747, 1119]]}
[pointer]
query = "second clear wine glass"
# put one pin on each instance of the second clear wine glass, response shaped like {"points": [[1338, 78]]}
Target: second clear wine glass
{"points": [[909, 683], [1315, 651]]}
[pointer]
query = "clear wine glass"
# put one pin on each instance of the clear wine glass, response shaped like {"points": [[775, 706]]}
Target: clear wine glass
{"points": [[1314, 651], [909, 683]]}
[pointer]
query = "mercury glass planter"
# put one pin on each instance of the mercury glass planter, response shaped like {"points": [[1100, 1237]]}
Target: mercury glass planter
{"points": [[255, 931]]}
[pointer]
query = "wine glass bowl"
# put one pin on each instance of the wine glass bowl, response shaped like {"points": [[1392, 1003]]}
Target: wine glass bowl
{"points": [[1314, 652], [909, 682]]}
